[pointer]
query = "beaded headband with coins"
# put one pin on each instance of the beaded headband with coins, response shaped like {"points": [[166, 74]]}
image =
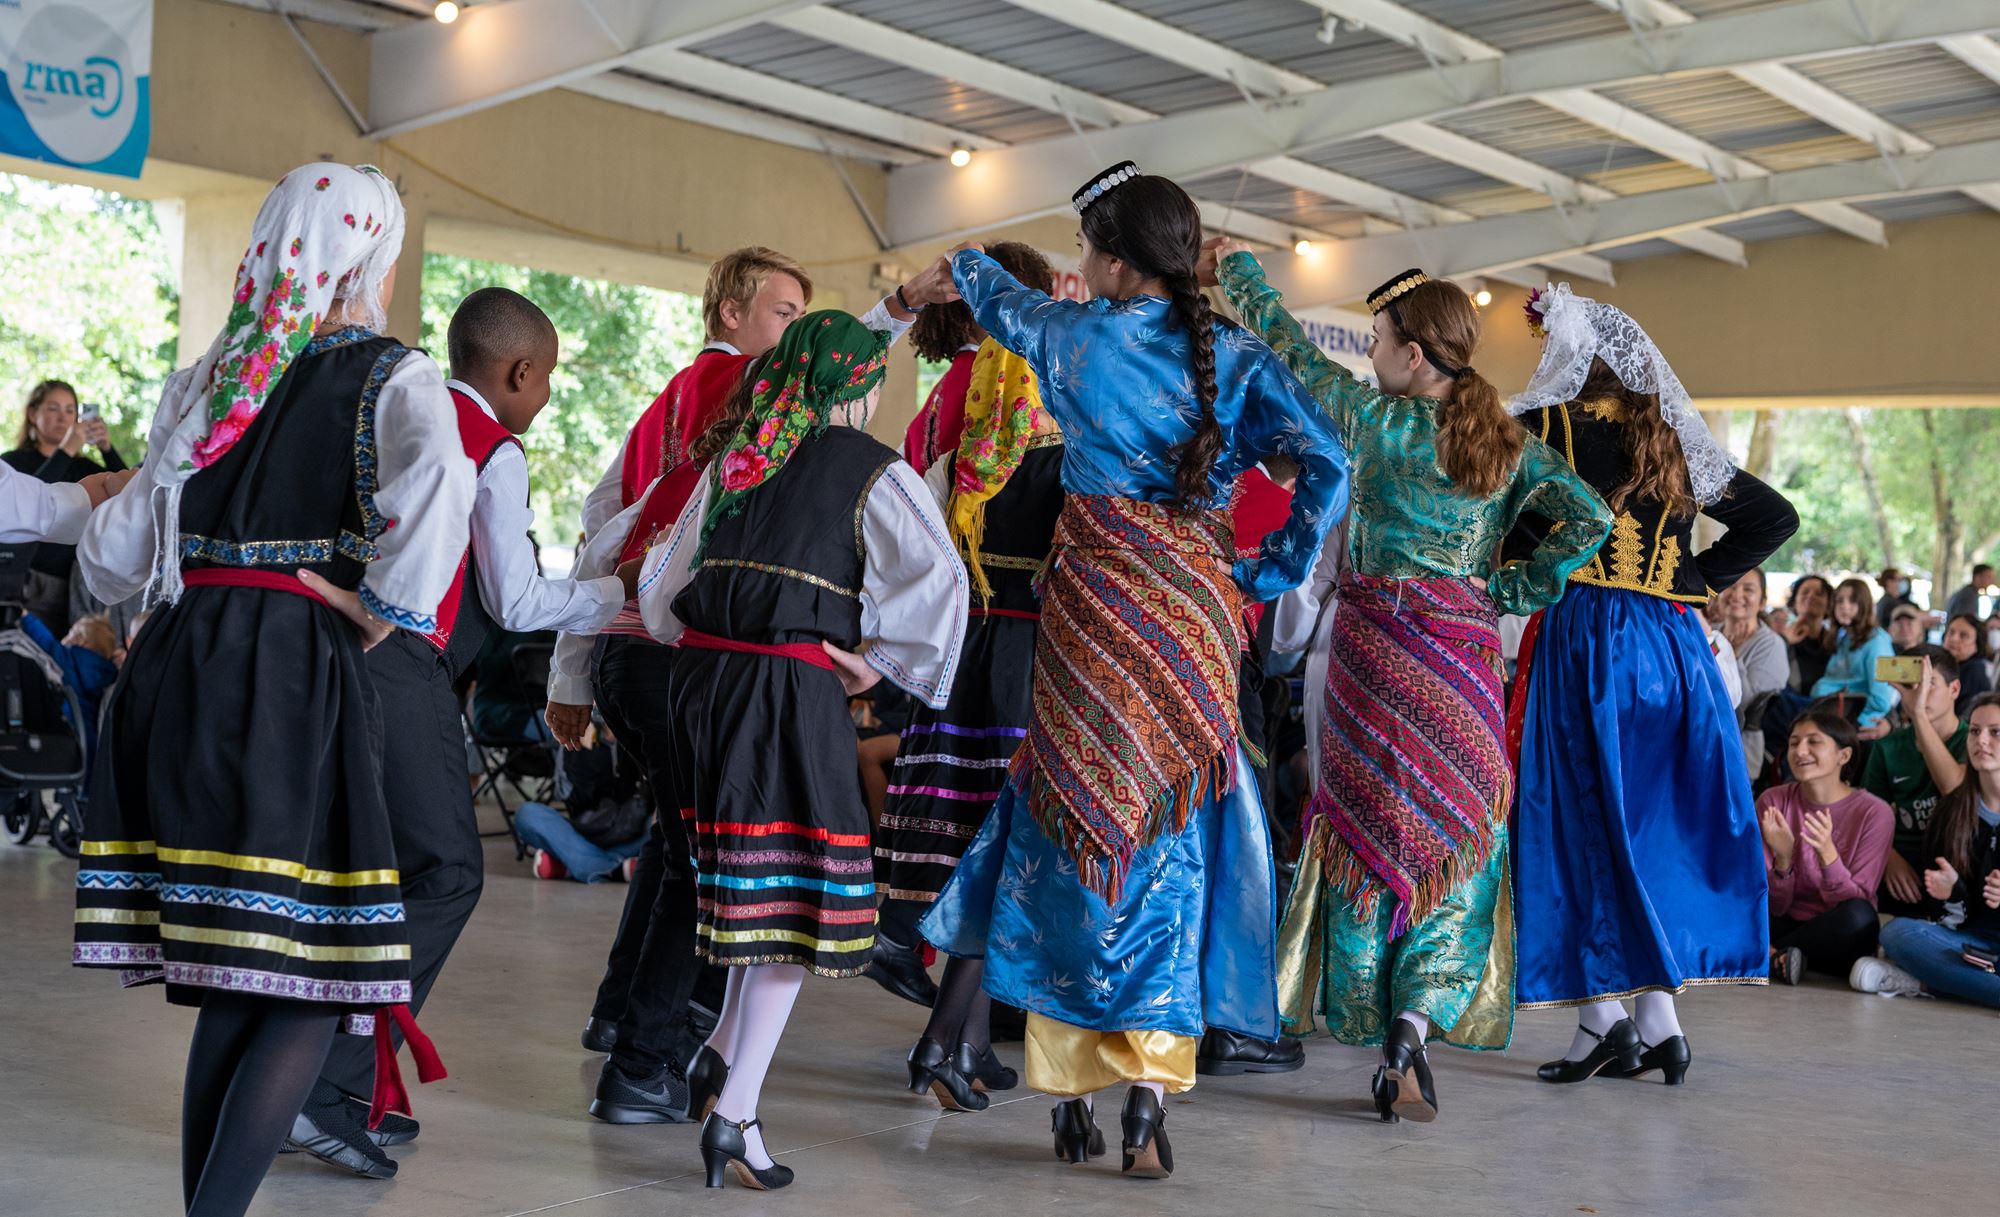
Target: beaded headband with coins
{"points": [[1384, 298], [1102, 184]]}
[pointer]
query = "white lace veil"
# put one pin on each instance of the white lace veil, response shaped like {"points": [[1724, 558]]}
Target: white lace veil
{"points": [[1581, 329]]}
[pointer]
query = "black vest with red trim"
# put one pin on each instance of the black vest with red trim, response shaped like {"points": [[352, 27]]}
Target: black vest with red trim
{"points": [[462, 621]]}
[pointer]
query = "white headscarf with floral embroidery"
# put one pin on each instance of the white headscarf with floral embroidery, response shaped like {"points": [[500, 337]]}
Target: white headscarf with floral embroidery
{"points": [[326, 233]]}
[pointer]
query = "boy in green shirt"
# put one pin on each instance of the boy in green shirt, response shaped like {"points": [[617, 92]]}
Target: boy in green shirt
{"points": [[1906, 766]]}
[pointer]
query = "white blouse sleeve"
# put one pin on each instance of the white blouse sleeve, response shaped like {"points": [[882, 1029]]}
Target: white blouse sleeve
{"points": [[938, 480], [914, 595], [571, 682], [119, 544], [669, 567], [34, 510], [880, 318], [1299, 609], [425, 486]]}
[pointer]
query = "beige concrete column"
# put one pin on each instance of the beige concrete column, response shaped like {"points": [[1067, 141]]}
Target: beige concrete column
{"points": [[205, 236], [406, 306]]}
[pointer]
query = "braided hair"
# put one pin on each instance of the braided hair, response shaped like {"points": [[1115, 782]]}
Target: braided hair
{"points": [[1151, 224]]}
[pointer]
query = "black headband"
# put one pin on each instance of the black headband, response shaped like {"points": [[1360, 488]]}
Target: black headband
{"points": [[1097, 187], [1384, 298]]}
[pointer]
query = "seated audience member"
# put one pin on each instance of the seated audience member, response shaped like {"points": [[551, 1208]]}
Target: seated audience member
{"points": [[1908, 766], [608, 816], [1850, 674], [1825, 844], [1895, 592], [1762, 665], [1952, 955], [1808, 630], [1965, 601], [1965, 638], [501, 707], [89, 656], [1907, 627]]}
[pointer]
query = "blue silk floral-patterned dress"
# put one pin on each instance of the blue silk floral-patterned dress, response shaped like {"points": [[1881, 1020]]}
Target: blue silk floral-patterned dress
{"points": [[1189, 941], [1456, 963]]}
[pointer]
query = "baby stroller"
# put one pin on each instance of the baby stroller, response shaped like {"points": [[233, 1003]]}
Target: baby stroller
{"points": [[41, 727]]}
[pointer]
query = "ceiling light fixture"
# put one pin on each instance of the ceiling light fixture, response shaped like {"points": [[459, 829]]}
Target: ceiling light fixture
{"points": [[446, 12], [1482, 297], [961, 156], [1302, 247], [1328, 30]]}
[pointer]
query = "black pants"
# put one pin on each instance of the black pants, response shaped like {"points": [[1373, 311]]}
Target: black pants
{"points": [[1833, 940], [652, 969], [430, 814]]}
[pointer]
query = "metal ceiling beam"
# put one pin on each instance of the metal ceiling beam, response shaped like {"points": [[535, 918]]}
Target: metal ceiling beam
{"points": [[1345, 271], [928, 201], [426, 72], [1803, 93], [1980, 53]]}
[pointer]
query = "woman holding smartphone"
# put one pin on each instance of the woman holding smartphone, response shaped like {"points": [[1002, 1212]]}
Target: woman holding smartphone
{"points": [[1953, 956], [49, 446]]}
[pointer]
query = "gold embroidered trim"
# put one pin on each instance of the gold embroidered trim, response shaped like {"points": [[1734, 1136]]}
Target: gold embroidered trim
{"points": [[1047, 439], [1568, 1003], [1626, 552], [1597, 579], [1009, 561], [788, 572], [861, 509], [1607, 409]]}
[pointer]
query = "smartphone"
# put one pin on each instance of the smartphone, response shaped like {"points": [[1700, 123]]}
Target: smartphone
{"points": [[1982, 959], [1900, 669], [88, 412]]}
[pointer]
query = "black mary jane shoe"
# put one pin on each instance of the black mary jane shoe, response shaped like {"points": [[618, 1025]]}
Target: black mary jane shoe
{"points": [[1617, 1049], [1670, 1056], [900, 970], [1146, 1152], [1078, 1138], [931, 1069], [722, 1147], [1403, 1085], [983, 1069], [705, 1080]]}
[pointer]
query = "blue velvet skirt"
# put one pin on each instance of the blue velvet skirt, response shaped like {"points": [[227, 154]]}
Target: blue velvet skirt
{"points": [[1191, 942], [1638, 864]]}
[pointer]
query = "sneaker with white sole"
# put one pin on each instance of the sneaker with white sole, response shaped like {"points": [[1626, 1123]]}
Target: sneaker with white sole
{"points": [[1873, 975], [548, 866]]}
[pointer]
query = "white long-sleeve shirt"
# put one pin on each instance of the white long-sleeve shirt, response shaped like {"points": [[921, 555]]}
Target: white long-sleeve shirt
{"points": [[425, 485], [914, 593], [34, 510], [513, 591]]}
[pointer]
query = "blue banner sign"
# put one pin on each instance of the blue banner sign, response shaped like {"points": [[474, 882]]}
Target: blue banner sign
{"points": [[74, 82]]}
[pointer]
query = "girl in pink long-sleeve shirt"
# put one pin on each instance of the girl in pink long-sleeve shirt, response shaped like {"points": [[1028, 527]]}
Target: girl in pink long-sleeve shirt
{"points": [[1825, 844]]}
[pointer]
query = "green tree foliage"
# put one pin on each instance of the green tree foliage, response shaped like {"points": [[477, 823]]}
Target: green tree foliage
{"points": [[619, 346], [87, 295]]}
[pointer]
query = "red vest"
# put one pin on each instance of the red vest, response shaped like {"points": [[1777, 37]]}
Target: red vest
{"points": [[664, 503], [683, 410], [481, 437], [1260, 507], [938, 427]]}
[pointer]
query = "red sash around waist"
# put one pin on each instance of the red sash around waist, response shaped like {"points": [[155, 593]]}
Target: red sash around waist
{"points": [[1023, 614], [236, 576], [804, 652]]}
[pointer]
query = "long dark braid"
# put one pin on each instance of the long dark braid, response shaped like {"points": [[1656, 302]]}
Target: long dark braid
{"points": [[1194, 458], [1152, 225]]}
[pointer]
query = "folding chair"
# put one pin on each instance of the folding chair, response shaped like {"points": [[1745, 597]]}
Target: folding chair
{"points": [[526, 764]]}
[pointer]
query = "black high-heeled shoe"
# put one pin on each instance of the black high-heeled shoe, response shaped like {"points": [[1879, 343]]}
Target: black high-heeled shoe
{"points": [[1384, 1096], [722, 1146], [1147, 1154], [1670, 1056], [1403, 1083], [983, 1069], [1619, 1046], [931, 1069], [705, 1079], [1078, 1138]]}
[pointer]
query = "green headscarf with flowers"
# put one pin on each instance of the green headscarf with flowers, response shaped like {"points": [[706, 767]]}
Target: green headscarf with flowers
{"points": [[825, 359]]}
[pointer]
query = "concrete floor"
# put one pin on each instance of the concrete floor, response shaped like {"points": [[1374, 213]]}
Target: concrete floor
{"points": [[1810, 1100]]}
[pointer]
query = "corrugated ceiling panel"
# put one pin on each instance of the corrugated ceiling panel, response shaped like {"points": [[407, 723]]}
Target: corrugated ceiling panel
{"points": [[1282, 32], [1723, 110], [1771, 225], [1920, 207], [1923, 88], [1514, 25], [1549, 137], [1637, 250], [1392, 166]]}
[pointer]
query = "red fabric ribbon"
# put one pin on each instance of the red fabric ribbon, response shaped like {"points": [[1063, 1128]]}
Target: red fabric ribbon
{"points": [[236, 576], [804, 652], [390, 1093], [1023, 614], [1517, 704]]}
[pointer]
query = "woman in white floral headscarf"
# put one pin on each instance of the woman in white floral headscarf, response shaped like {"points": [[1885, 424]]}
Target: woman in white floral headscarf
{"points": [[304, 493]]}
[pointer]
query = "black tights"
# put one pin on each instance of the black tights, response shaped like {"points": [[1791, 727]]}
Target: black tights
{"points": [[962, 1014], [252, 1062]]}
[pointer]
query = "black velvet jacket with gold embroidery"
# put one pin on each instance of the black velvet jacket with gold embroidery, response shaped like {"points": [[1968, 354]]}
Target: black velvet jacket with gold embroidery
{"points": [[1648, 551]]}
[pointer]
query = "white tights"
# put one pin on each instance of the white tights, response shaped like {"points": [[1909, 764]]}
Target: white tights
{"points": [[1657, 1022], [754, 1011]]}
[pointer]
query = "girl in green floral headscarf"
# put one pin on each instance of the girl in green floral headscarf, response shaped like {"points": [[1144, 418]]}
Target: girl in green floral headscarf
{"points": [[825, 370]]}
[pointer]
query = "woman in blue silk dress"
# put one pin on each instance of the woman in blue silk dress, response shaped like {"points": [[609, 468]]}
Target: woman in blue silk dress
{"points": [[1639, 868], [1122, 889]]}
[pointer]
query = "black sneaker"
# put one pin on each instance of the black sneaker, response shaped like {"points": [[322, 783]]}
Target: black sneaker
{"points": [[1225, 1052], [658, 1098], [329, 1130], [900, 970], [395, 1129]]}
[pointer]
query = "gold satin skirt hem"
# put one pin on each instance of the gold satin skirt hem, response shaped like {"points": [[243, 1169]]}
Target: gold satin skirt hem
{"points": [[1067, 1060]]}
